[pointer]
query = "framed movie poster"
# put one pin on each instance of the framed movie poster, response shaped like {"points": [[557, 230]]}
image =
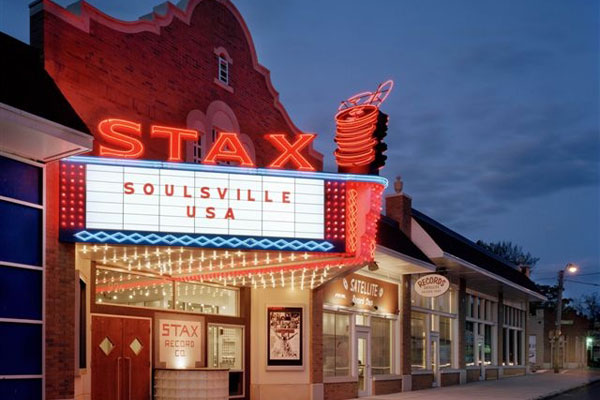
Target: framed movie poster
{"points": [[284, 337]]}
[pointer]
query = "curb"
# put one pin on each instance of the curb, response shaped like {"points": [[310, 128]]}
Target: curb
{"points": [[562, 391]]}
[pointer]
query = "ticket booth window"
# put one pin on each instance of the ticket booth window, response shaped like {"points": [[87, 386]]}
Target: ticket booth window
{"points": [[226, 350]]}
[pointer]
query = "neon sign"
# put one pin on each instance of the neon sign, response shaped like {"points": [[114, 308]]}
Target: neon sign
{"points": [[122, 139], [359, 130]]}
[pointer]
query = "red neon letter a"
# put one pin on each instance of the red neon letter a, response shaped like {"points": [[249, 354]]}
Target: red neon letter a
{"points": [[119, 132], [291, 152], [228, 147], [176, 136]]}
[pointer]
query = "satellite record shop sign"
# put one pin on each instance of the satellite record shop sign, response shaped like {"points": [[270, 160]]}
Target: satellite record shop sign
{"points": [[156, 203]]}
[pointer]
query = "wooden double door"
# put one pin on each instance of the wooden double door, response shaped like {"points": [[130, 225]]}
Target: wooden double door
{"points": [[121, 353]]}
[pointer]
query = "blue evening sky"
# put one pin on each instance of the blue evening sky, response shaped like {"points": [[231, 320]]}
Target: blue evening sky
{"points": [[494, 120]]}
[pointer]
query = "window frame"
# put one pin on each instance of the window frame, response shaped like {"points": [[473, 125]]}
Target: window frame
{"points": [[488, 307]]}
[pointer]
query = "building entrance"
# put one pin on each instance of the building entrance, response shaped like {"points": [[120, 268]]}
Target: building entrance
{"points": [[363, 357], [120, 358]]}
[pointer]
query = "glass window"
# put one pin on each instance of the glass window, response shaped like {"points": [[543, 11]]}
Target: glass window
{"points": [[469, 343], [445, 342], [206, 299], [418, 337], [362, 319], [123, 288], [336, 344], [470, 310], [511, 346], [519, 348], [381, 346], [225, 350], [223, 70], [82, 305], [487, 342]]}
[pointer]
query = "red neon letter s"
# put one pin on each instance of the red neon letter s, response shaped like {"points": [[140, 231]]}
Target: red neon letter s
{"points": [[228, 147], [175, 136], [291, 151], [119, 132]]}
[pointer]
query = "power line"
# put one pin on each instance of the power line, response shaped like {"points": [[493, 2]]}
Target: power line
{"points": [[583, 283]]}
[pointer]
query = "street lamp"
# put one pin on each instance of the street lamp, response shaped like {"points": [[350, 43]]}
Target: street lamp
{"points": [[570, 268]]}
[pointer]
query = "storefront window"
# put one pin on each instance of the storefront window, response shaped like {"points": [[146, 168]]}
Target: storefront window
{"points": [[418, 339], [445, 342], [206, 299], [225, 350], [479, 340], [469, 344], [336, 344], [128, 289], [487, 341], [513, 336], [381, 346], [144, 290]]}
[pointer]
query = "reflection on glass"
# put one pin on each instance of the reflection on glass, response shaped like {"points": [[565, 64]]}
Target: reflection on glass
{"points": [[362, 363], [125, 288], [469, 344], [381, 346], [445, 342], [336, 344], [206, 299], [417, 334], [487, 351]]}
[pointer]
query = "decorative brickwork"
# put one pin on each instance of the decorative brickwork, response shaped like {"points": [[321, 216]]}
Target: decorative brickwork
{"points": [[158, 71]]}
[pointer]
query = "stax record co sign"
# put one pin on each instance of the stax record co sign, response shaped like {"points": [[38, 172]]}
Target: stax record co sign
{"points": [[360, 292], [433, 285]]}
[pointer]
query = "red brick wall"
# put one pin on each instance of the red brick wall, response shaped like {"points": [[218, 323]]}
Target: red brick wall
{"points": [[473, 375], [340, 391], [60, 299], [386, 387], [491, 374], [422, 381], [450, 379], [158, 78]]}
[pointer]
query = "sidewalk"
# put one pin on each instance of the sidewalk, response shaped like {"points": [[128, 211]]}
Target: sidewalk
{"points": [[534, 386]]}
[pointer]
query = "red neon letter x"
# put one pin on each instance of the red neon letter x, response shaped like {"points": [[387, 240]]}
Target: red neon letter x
{"points": [[291, 152], [175, 136], [228, 147]]}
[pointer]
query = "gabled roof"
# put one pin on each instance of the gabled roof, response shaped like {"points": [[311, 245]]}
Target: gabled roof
{"points": [[391, 236], [25, 85], [452, 243]]}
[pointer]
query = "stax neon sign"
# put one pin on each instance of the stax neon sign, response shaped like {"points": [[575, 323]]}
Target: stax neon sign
{"points": [[122, 139]]}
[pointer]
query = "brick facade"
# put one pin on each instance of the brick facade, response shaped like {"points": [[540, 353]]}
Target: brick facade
{"points": [[450, 379], [422, 381], [340, 391], [387, 386], [158, 71], [60, 299]]}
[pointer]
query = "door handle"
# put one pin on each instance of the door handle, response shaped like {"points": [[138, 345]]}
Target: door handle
{"points": [[128, 377], [119, 377]]}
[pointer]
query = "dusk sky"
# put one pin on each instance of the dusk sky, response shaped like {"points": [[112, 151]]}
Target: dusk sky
{"points": [[494, 119]]}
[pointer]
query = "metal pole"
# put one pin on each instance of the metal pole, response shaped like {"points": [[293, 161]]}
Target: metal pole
{"points": [[557, 331]]}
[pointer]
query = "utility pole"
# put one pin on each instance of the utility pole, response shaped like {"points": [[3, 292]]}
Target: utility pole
{"points": [[557, 332]]}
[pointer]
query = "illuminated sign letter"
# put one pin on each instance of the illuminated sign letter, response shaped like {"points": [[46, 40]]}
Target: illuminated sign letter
{"points": [[120, 132], [228, 147], [175, 136], [291, 151]]}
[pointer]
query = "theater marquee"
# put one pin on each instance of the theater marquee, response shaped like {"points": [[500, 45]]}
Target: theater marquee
{"points": [[157, 203]]}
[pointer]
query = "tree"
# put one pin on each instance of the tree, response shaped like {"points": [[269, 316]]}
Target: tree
{"points": [[589, 305], [551, 293], [510, 252]]}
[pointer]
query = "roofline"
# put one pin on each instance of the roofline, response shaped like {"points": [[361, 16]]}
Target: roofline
{"points": [[494, 276], [402, 256]]}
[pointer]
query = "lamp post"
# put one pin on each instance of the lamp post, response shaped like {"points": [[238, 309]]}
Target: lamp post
{"points": [[571, 268]]}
